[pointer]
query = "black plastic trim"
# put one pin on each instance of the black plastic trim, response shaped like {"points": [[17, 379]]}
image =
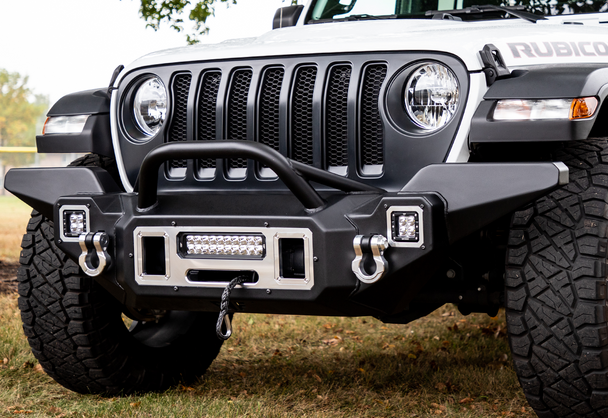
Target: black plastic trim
{"points": [[87, 102], [95, 137], [556, 82], [560, 82], [287, 16]]}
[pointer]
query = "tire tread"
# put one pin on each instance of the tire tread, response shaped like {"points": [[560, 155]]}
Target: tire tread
{"points": [[555, 279]]}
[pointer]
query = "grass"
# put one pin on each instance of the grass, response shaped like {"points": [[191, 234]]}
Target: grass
{"points": [[292, 366], [443, 365], [14, 215]]}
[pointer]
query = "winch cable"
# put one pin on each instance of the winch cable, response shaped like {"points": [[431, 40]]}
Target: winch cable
{"points": [[223, 317]]}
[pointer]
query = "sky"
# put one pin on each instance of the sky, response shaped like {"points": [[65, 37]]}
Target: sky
{"points": [[65, 46]]}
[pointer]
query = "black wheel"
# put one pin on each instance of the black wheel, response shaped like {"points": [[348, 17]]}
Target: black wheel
{"points": [[76, 329], [556, 290]]}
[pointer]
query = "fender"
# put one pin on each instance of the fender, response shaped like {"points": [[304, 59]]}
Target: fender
{"points": [[95, 137], [561, 82]]}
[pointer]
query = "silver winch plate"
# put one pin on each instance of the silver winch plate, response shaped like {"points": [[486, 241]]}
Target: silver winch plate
{"points": [[177, 264]]}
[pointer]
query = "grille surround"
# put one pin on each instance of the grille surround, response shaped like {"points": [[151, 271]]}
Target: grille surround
{"points": [[405, 151]]}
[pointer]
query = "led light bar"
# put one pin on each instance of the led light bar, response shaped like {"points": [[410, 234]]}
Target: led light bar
{"points": [[545, 109], [64, 124], [224, 245]]}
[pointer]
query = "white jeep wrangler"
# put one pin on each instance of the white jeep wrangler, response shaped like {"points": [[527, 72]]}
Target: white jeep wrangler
{"points": [[366, 157]]}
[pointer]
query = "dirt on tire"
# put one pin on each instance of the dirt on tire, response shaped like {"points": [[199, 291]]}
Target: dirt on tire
{"points": [[8, 277]]}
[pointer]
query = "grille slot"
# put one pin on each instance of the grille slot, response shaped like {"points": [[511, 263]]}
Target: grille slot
{"points": [[207, 117], [237, 116], [372, 130], [302, 115], [268, 105], [179, 123], [336, 119]]}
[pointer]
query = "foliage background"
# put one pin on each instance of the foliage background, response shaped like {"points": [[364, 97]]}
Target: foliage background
{"points": [[21, 116]]}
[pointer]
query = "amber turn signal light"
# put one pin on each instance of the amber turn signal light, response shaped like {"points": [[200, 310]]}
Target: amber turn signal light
{"points": [[583, 108]]}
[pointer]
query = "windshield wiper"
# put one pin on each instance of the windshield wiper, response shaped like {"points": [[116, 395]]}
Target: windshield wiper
{"points": [[354, 17], [517, 11]]}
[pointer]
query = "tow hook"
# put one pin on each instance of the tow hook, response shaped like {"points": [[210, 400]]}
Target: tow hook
{"points": [[94, 246], [224, 318], [376, 245]]}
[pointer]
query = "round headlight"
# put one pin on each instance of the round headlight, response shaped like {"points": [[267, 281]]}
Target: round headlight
{"points": [[150, 105], [431, 96]]}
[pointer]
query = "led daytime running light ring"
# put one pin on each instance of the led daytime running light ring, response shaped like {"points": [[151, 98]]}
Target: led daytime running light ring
{"points": [[431, 95]]}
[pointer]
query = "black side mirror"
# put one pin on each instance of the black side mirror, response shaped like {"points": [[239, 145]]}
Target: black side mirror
{"points": [[287, 16]]}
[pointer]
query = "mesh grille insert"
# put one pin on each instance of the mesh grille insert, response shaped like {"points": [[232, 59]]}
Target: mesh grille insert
{"points": [[372, 131], [268, 131], [237, 110], [336, 117], [302, 115], [179, 122], [207, 112]]}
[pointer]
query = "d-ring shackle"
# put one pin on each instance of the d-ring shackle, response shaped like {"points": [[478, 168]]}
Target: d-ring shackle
{"points": [[93, 243], [377, 243]]}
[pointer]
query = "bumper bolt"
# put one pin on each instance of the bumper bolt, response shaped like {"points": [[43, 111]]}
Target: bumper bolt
{"points": [[460, 297], [130, 255], [422, 206], [450, 273], [315, 259], [268, 291], [175, 288], [173, 223], [266, 224], [59, 241]]}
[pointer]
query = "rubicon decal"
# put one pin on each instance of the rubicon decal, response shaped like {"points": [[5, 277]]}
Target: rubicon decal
{"points": [[558, 49]]}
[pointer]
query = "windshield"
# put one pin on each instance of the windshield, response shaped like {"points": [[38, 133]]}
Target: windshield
{"points": [[331, 10]]}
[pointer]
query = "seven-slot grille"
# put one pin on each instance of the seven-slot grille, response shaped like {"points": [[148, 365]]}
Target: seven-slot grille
{"points": [[306, 112]]}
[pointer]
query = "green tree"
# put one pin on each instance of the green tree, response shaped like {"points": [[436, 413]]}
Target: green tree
{"points": [[21, 113], [171, 12]]}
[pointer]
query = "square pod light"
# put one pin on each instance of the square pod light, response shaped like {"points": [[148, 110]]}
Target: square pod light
{"points": [[405, 226], [75, 222]]}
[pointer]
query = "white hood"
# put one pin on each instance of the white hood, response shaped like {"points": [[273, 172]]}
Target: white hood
{"points": [[514, 38]]}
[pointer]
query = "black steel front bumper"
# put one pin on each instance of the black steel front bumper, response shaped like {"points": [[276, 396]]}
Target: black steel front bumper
{"points": [[451, 201]]}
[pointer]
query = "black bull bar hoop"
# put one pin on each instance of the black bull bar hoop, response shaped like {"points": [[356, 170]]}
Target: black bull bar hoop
{"points": [[294, 175]]}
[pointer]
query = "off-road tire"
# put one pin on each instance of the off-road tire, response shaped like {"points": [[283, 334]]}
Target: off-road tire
{"points": [[76, 330], [556, 290]]}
